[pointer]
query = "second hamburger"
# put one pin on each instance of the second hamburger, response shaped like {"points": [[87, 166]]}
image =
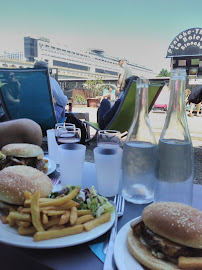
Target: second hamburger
{"points": [[23, 154]]}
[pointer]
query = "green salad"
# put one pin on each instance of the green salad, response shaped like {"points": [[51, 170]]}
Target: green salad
{"points": [[88, 199]]}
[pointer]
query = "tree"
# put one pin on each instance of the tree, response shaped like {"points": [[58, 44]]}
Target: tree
{"points": [[164, 73], [94, 87]]}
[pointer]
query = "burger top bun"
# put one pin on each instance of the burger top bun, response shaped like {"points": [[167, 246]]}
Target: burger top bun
{"points": [[15, 180], [22, 150], [175, 221]]}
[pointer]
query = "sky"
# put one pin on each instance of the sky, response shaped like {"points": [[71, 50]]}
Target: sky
{"points": [[140, 31]]}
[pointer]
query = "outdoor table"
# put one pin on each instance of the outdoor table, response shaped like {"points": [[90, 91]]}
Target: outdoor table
{"points": [[76, 257]]}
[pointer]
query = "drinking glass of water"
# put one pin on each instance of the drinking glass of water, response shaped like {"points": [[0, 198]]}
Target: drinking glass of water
{"points": [[63, 126], [66, 133], [108, 138], [108, 156], [68, 136]]}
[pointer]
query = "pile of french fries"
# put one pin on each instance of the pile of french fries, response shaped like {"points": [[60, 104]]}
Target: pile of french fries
{"points": [[47, 218]]}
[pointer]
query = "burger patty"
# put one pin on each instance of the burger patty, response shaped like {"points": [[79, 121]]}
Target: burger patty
{"points": [[30, 161], [169, 249]]}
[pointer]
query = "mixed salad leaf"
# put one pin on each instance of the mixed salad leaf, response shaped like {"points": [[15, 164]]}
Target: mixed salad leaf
{"points": [[88, 199], [2, 156]]}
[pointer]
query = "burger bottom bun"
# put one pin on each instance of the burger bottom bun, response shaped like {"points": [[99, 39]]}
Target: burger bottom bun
{"points": [[144, 256]]}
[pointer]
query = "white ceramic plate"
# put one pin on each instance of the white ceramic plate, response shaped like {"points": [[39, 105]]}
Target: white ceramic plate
{"points": [[10, 236], [124, 260], [51, 165]]}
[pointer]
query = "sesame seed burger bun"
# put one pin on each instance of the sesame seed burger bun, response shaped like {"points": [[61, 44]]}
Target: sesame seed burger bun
{"points": [[22, 150], [15, 180], [177, 222]]}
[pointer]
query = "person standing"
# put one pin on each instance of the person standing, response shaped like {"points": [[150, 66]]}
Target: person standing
{"points": [[195, 98], [124, 77], [60, 100]]}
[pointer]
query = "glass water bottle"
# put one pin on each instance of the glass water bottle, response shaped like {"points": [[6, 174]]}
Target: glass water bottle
{"points": [[175, 151], [139, 152]]}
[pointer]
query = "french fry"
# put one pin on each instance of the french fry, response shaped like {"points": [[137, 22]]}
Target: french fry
{"points": [[28, 209], [26, 231], [65, 206], [61, 200], [4, 220], [73, 215], [27, 202], [11, 221], [64, 218], [23, 224], [44, 219], [39, 236], [54, 212], [68, 205], [20, 216], [83, 212], [83, 219], [27, 195], [98, 221], [190, 262], [35, 212], [56, 227], [51, 223]]}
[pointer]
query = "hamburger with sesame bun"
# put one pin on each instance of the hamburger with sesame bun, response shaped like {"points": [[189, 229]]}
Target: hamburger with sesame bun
{"points": [[23, 154], [168, 237], [15, 180]]}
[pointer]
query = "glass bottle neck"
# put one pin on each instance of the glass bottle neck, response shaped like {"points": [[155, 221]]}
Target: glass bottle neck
{"points": [[175, 126], [140, 129], [177, 98]]}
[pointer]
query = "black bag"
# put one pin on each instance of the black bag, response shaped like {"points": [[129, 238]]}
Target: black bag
{"points": [[79, 124], [196, 95]]}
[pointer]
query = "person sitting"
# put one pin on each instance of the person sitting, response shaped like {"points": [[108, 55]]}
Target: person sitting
{"points": [[110, 95], [198, 107], [11, 93], [106, 111], [20, 131], [60, 100]]}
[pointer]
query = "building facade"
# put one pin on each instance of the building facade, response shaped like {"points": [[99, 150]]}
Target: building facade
{"points": [[91, 61]]}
